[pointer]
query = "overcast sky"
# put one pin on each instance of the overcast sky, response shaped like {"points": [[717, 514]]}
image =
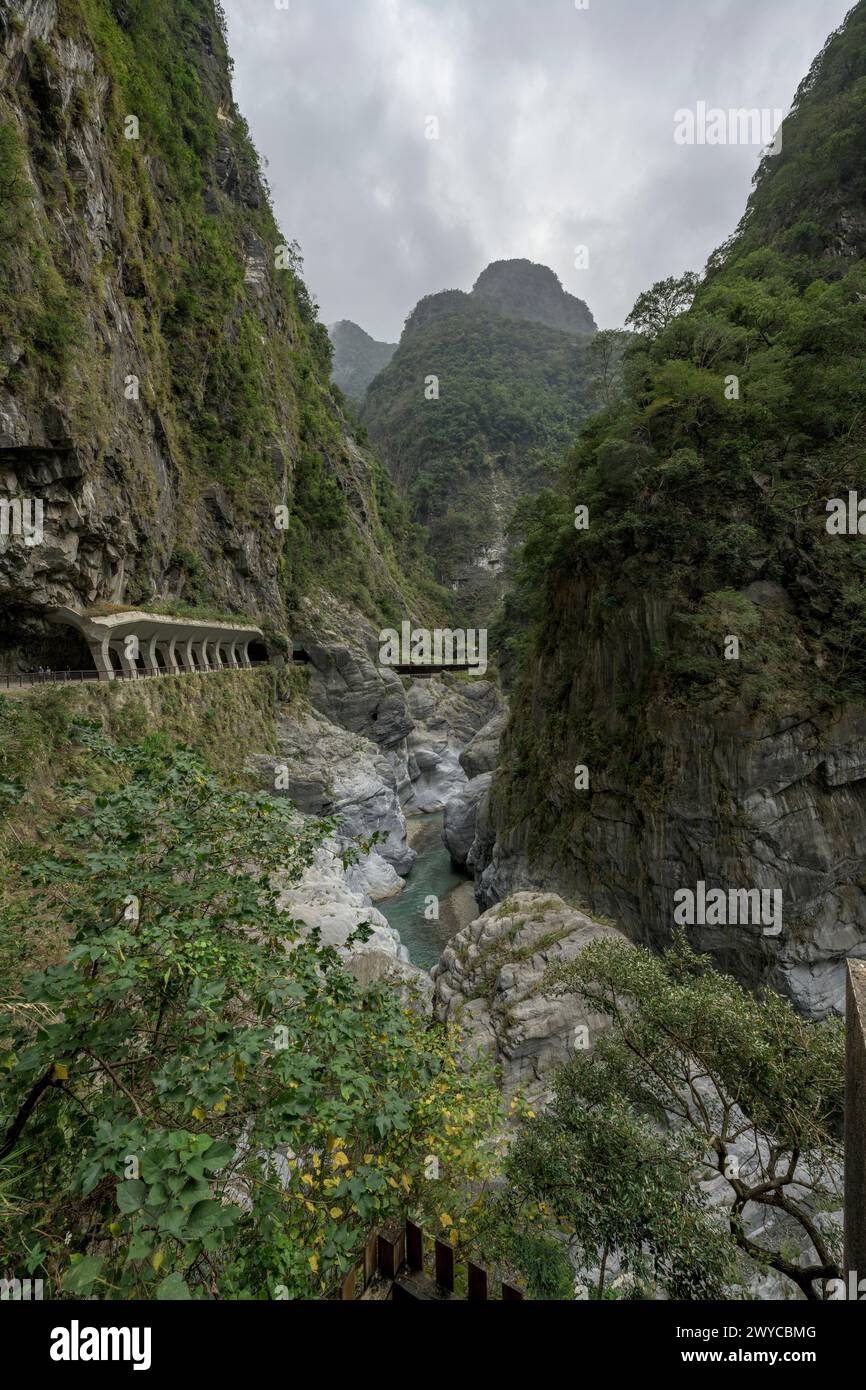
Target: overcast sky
{"points": [[556, 130]]}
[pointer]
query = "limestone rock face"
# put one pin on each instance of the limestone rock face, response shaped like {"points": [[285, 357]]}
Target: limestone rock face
{"points": [[348, 686], [155, 479], [482, 754], [489, 983], [458, 830], [447, 715], [748, 803]]}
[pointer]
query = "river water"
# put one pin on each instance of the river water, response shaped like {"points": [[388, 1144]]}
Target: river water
{"points": [[433, 875]]}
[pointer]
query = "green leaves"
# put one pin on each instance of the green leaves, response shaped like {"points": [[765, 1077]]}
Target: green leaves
{"points": [[80, 1277], [130, 1196], [235, 1106]]}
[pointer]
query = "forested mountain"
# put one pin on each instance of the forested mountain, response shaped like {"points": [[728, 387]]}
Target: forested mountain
{"points": [[483, 394], [707, 484], [358, 358]]}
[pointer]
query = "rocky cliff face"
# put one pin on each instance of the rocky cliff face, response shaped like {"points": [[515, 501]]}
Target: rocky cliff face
{"points": [[490, 983], [743, 801], [358, 358], [482, 395], [163, 376]]}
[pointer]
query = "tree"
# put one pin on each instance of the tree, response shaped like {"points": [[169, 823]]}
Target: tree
{"points": [[659, 306], [693, 1072], [198, 1101]]}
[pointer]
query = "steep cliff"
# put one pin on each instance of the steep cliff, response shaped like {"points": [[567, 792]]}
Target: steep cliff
{"points": [[692, 708], [164, 380], [358, 358], [481, 397]]}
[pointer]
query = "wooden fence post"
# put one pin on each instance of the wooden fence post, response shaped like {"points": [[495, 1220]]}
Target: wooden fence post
{"points": [[855, 1122]]}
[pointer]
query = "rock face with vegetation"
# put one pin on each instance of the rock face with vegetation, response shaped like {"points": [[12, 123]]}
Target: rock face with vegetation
{"points": [[692, 706], [164, 380], [489, 983], [514, 377], [358, 358]]}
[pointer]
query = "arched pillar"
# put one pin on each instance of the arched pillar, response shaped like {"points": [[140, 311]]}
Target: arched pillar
{"points": [[127, 665], [169, 655], [99, 650], [199, 647], [244, 645], [148, 656], [214, 654], [232, 649]]}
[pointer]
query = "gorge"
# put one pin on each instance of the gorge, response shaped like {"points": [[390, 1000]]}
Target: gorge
{"points": [[302, 875]]}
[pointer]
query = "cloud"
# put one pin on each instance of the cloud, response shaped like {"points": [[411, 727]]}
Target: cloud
{"points": [[555, 130]]}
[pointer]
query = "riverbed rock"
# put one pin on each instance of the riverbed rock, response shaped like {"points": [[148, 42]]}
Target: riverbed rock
{"points": [[488, 981], [331, 772], [328, 898], [458, 830]]}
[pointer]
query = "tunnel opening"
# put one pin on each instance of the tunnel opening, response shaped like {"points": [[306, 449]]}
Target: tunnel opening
{"points": [[28, 643], [258, 652]]}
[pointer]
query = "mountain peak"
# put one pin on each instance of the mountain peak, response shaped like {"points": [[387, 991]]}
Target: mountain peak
{"points": [[358, 357], [522, 289]]}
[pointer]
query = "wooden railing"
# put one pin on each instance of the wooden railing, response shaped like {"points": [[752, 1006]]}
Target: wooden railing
{"points": [[395, 1266]]}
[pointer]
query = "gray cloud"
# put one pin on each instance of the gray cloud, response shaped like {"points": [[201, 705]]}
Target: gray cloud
{"points": [[556, 130]]}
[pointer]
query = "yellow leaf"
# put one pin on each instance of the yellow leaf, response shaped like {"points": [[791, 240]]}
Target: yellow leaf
{"points": [[453, 1236], [406, 1181], [307, 1178], [335, 1213], [368, 1158], [61, 1072], [340, 1160], [198, 1113], [156, 1259], [314, 1263], [445, 1219]]}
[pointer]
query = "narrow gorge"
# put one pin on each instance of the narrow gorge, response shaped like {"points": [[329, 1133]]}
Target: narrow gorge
{"points": [[432, 772]]}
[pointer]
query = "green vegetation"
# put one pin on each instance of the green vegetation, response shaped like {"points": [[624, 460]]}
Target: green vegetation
{"points": [[223, 717], [206, 1100], [729, 427], [737, 419], [696, 1077]]}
